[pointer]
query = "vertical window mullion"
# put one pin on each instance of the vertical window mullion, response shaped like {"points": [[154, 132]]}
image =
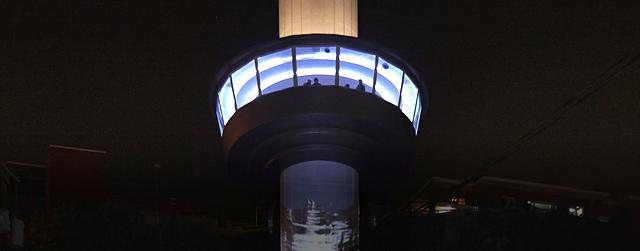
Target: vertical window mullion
{"points": [[400, 94], [337, 66], [255, 63], [294, 66], [233, 91], [375, 76]]}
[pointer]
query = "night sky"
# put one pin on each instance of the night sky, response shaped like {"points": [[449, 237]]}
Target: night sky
{"points": [[133, 79]]}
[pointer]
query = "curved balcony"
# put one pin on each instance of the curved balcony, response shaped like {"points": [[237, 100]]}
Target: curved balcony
{"points": [[313, 62]]}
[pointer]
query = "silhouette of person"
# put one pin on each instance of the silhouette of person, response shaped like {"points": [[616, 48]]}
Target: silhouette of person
{"points": [[308, 83], [347, 86], [360, 86], [316, 82]]}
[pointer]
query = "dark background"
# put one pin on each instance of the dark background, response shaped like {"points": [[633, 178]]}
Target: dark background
{"points": [[134, 78]]}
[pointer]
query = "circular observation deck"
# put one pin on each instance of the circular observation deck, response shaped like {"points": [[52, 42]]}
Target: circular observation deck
{"points": [[331, 60], [318, 97]]}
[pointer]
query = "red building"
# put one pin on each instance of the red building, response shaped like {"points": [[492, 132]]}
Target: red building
{"points": [[76, 176]]}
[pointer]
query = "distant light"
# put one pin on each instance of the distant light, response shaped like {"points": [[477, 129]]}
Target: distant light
{"points": [[576, 211], [542, 205], [444, 207]]}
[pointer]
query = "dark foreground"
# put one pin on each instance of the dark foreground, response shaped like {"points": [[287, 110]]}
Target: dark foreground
{"points": [[119, 228]]}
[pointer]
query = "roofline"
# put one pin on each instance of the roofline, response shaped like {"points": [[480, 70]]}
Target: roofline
{"points": [[77, 149], [521, 183], [24, 164]]}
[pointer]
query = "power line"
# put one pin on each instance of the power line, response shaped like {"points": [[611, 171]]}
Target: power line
{"points": [[596, 85]]}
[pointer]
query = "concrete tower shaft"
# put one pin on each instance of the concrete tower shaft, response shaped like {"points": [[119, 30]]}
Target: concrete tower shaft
{"points": [[329, 116], [335, 17]]}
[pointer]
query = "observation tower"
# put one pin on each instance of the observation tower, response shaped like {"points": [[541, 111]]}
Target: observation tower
{"points": [[320, 123]]}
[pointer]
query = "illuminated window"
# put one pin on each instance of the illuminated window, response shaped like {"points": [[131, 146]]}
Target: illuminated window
{"points": [[444, 207], [226, 101], [459, 201], [276, 72], [408, 98], [354, 66], [245, 84], [388, 81], [316, 63], [546, 206], [576, 211], [220, 119], [416, 116]]}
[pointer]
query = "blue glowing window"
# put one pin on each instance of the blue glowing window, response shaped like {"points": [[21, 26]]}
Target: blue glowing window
{"points": [[408, 98], [245, 84], [225, 97], [388, 81], [316, 63], [416, 118], [219, 115], [276, 71], [354, 66]]}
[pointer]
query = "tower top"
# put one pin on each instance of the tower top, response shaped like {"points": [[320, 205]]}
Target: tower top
{"points": [[300, 17]]}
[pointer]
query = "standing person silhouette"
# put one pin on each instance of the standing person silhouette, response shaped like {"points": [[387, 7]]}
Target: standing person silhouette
{"points": [[360, 86], [316, 82]]}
